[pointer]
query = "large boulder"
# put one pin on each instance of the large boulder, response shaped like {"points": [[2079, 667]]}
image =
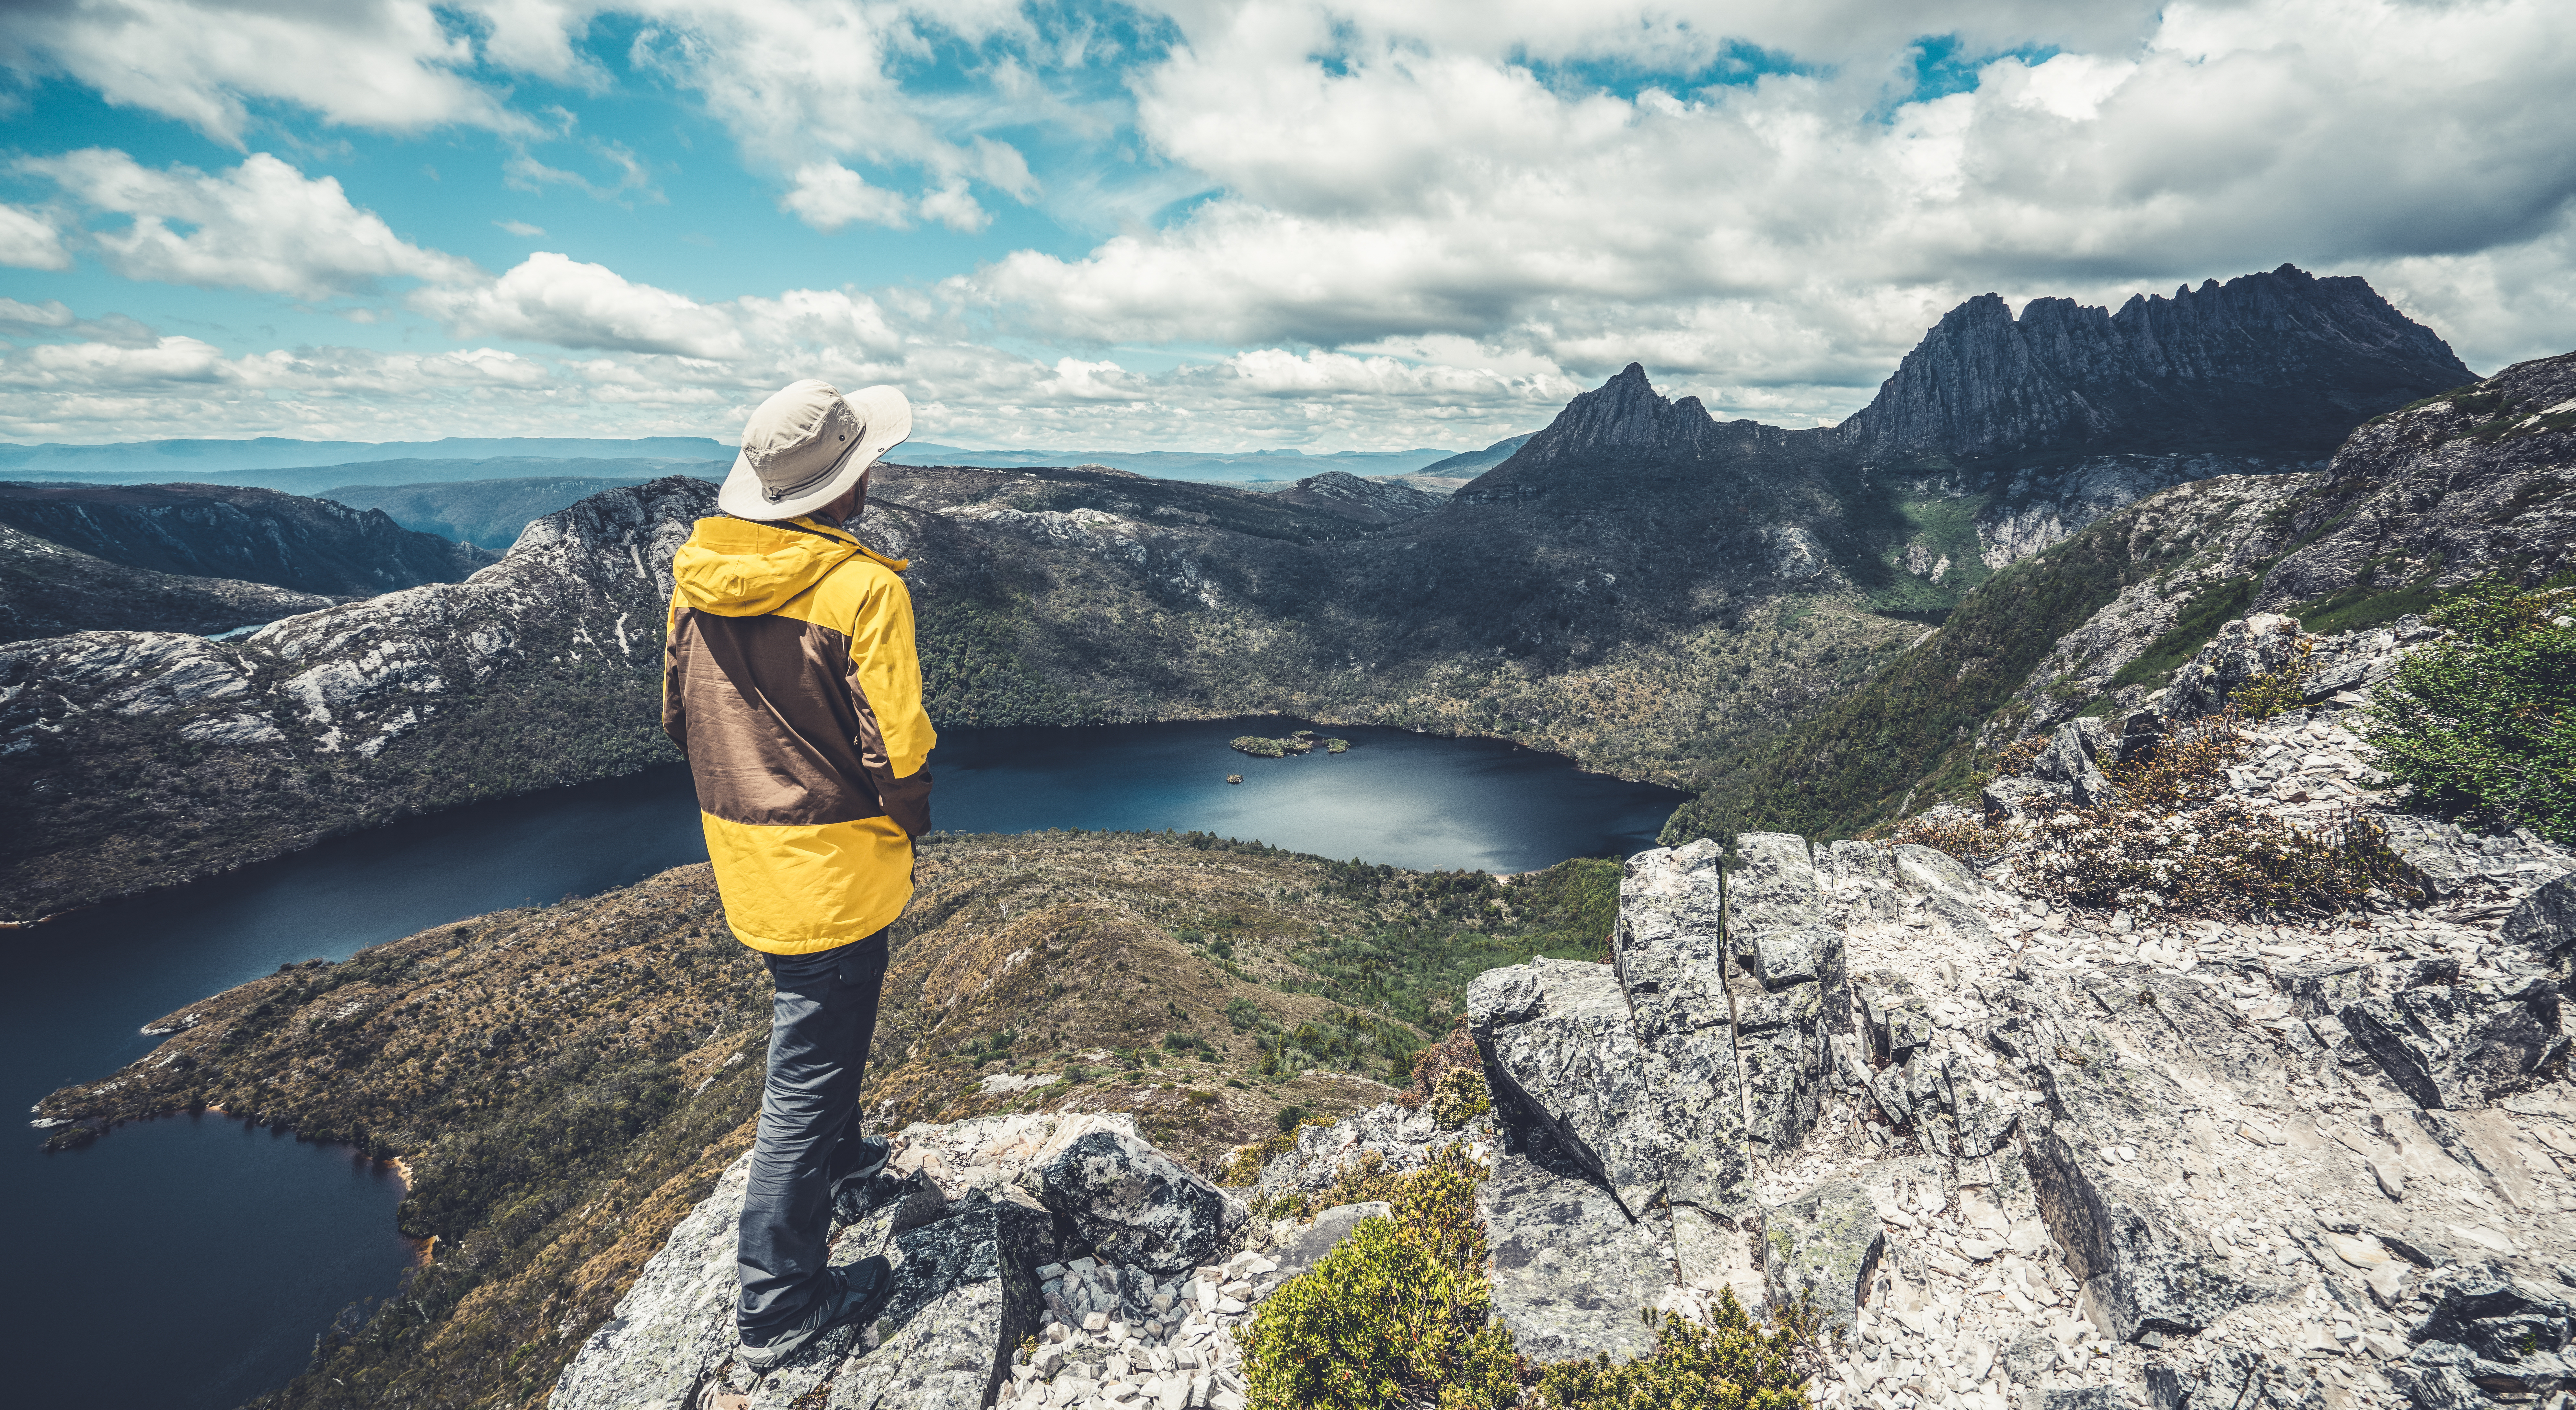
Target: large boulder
{"points": [[2074, 759], [2458, 1047], [1133, 1203], [1570, 1270], [2543, 927], [1672, 964], [1777, 917], [1783, 1048], [1557, 1041], [2243, 650], [1823, 1245], [965, 1293], [1774, 888]]}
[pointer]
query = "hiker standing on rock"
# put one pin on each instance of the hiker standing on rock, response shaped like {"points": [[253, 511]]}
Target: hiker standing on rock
{"points": [[790, 680]]}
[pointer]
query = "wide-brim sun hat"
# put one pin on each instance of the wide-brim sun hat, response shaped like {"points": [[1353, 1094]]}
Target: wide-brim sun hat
{"points": [[808, 444]]}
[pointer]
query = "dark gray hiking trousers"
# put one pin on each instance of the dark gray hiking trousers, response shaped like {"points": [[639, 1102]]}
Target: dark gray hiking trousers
{"points": [[819, 1027]]}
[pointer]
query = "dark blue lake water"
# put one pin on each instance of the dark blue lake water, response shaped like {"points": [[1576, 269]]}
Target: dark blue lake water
{"points": [[188, 1264]]}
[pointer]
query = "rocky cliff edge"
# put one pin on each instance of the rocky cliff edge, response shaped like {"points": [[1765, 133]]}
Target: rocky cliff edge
{"points": [[2016, 1151]]}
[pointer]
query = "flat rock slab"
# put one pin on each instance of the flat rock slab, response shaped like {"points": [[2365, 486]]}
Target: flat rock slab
{"points": [[2144, 1261], [1570, 1270], [1823, 1244]]}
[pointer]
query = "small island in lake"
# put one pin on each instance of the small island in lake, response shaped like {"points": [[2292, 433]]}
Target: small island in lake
{"points": [[1304, 741]]}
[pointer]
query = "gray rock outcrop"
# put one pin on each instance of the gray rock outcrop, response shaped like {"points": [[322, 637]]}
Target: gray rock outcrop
{"points": [[1134, 1204], [1822, 1247]]}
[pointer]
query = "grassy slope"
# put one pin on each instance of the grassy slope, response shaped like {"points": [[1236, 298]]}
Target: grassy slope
{"points": [[566, 1081], [1856, 760]]}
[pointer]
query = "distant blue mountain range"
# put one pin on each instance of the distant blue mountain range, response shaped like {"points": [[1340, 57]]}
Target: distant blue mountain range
{"points": [[253, 462]]}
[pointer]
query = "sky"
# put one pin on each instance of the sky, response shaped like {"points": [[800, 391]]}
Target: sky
{"points": [[1204, 224]]}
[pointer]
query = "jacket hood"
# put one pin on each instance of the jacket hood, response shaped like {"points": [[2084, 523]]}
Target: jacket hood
{"points": [[744, 567]]}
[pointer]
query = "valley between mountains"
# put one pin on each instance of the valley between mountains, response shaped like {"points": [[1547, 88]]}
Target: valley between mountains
{"points": [[1640, 586]]}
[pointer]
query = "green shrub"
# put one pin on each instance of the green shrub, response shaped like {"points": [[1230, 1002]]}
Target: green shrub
{"points": [[1460, 1098], [1399, 1313], [2484, 724], [1728, 1363]]}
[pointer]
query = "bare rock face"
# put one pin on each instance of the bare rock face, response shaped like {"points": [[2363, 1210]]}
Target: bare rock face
{"points": [[2283, 361], [2142, 1260], [323, 721], [2461, 1048], [1671, 961], [2244, 649], [2544, 925], [2439, 493], [1557, 1039], [1570, 1267]]}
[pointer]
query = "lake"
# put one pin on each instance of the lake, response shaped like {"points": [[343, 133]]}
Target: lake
{"points": [[235, 1247]]}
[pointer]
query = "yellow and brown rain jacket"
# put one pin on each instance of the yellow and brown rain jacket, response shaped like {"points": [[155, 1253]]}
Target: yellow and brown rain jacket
{"points": [[790, 680]]}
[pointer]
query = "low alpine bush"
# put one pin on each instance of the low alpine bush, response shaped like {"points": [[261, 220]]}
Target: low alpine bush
{"points": [[2484, 723]]}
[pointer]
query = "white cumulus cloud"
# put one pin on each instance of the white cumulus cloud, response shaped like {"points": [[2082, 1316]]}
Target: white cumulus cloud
{"points": [[263, 225], [29, 241]]}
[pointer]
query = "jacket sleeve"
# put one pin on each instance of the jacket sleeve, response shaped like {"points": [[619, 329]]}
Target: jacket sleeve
{"points": [[895, 736], [675, 713]]}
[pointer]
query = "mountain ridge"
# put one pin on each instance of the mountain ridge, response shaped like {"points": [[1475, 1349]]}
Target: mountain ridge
{"points": [[241, 533]]}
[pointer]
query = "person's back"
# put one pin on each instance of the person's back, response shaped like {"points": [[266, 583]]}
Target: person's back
{"points": [[791, 681]]}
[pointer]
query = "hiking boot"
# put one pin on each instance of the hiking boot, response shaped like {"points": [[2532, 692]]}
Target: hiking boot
{"points": [[872, 1158], [853, 1294], [855, 1195]]}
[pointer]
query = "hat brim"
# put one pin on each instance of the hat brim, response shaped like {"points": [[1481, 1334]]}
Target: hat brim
{"points": [[885, 421]]}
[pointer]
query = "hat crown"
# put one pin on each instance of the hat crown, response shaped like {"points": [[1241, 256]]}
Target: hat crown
{"points": [[798, 434]]}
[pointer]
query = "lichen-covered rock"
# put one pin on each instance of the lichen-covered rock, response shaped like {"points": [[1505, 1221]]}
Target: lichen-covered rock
{"points": [[1570, 1269], [2495, 1333], [2460, 1047], [2244, 649], [1782, 1051], [1671, 961], [2074, 758], [675, 1326], [965, 1293], [1822, 1245], [1133, 1203], [1776, 888], [1556, 1038], [1307, 1245], [1400, 1138], [1896, 1020]]}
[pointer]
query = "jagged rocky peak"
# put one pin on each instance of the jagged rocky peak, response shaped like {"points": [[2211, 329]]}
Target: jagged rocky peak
{"points": [[1624, 415], [2281, 363]]}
